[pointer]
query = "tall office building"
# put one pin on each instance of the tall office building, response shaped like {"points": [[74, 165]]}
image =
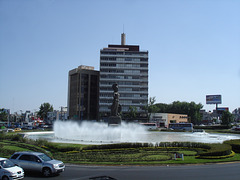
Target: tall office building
{"points": [[83, 89], [127, 66]]}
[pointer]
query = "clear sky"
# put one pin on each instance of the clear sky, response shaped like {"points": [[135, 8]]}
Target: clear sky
{"points": [[194, 47]]}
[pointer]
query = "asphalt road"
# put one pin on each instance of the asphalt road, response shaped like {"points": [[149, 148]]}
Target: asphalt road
{"points": [[230, 171]]}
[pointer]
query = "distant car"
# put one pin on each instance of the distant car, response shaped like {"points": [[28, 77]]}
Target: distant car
{"points": [[17, 129], [10, 130], [236, 128], [37, 161], [29, 127], [9, 171]]}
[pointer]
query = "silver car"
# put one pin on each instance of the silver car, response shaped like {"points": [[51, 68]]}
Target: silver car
{"points": [[36, 161], [9, 171]]}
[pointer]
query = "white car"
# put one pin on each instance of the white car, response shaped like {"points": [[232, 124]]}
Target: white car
{"points": [[9, 171]]}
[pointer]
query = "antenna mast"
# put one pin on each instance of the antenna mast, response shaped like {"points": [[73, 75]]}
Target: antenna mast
{"points": [[123, 38]]}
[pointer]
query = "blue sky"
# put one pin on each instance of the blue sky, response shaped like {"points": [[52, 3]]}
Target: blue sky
{"points": [[194, 47]]}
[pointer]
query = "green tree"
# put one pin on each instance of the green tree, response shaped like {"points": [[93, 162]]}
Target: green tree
{"points": [[132, 112], [3, 115], [191, 109], [151, 105], [227, 118], [44, 109]]}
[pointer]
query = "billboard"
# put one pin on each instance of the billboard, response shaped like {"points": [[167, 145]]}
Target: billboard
{"points": [[213, 99], [221, 109]]}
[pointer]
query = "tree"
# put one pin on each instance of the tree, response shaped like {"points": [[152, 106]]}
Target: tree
{"points": [[132, 112], [151, 107], [227, 118], [3, 115], [44, 109], [191, 109]]}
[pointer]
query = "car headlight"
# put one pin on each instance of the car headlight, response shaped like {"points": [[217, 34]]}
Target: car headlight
{"points": [[55, 165]]}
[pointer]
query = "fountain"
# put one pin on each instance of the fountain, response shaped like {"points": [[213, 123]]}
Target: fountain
{"points": [[100, 133], [95, 132], [116, 131]]}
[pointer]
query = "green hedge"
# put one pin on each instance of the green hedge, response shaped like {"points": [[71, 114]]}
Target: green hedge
{"points": [[235, 144], [204, 149], [26, 146], [56, 148], [117, 146], [216, 150], [211, 127], [144, 145]]}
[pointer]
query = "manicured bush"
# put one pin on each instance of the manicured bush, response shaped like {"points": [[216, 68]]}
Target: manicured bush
{"points": [[217, 157], [212, 127], [190, 145], [53, 147], [216, 150], [118, 146], [235, 143]]}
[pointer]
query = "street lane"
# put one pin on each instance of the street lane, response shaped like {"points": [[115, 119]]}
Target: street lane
{"points": [[230, 171]]}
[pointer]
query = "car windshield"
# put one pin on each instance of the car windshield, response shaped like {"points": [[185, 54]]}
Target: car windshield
{"points": [[6, 163], [44, 157]]}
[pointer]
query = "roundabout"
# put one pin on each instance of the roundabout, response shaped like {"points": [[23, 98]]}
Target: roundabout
{"points": [[100, 133]]}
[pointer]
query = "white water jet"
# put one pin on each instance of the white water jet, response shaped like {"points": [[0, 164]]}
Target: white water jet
{"points": [[99, 132]]}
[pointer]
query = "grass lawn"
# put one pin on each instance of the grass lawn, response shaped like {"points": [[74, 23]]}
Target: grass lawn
{"points": [[15, 148], [113, 154]]}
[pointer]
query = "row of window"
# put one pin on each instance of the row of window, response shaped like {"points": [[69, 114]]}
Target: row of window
{"points": [[125, 95], [124, 53], [124, 59], [119, 77], [124, 71], [134, 83], [108, 58], [123, 65], [112, 70], [124, 89], [124, 109], [122, 102]]}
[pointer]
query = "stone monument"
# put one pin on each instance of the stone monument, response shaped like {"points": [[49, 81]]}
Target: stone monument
{"points": [[115, 118]]}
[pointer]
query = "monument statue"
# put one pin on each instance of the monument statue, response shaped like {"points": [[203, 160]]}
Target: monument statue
{"points": [[116, 108]]}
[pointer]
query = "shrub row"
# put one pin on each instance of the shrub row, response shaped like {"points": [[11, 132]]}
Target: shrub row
{"points": [[217, 157], [212, 127], [208, 149], [145, 145], [55, 148], [216, 150], [26, 146], [235, 143]]}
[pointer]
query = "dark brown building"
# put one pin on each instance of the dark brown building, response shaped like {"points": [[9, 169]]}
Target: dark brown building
{"points": [[83, 93]]}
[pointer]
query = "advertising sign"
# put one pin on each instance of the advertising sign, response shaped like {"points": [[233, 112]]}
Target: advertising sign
{"points": [[220, 110], [213, 99]]}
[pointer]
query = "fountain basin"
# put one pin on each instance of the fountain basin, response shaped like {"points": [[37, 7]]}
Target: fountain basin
{"points": [[100, 133]]}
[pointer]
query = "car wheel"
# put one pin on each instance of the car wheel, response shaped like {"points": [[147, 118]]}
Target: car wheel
{"points": [[46, 172], [5, 178]]}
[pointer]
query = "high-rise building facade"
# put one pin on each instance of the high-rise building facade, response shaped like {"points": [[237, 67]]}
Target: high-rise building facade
{"points": [[127, 66], [83, 89]]}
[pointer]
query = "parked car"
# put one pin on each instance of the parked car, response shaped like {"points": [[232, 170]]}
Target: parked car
{"points": [[10, 130], [236, 128], [9, 171], [17, 129], [37, 161]]}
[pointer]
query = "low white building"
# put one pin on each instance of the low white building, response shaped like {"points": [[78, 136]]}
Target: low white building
{"points": [[164, 119]]}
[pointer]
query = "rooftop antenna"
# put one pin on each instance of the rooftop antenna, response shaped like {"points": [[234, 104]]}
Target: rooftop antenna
{"points": [[123, 38]]}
